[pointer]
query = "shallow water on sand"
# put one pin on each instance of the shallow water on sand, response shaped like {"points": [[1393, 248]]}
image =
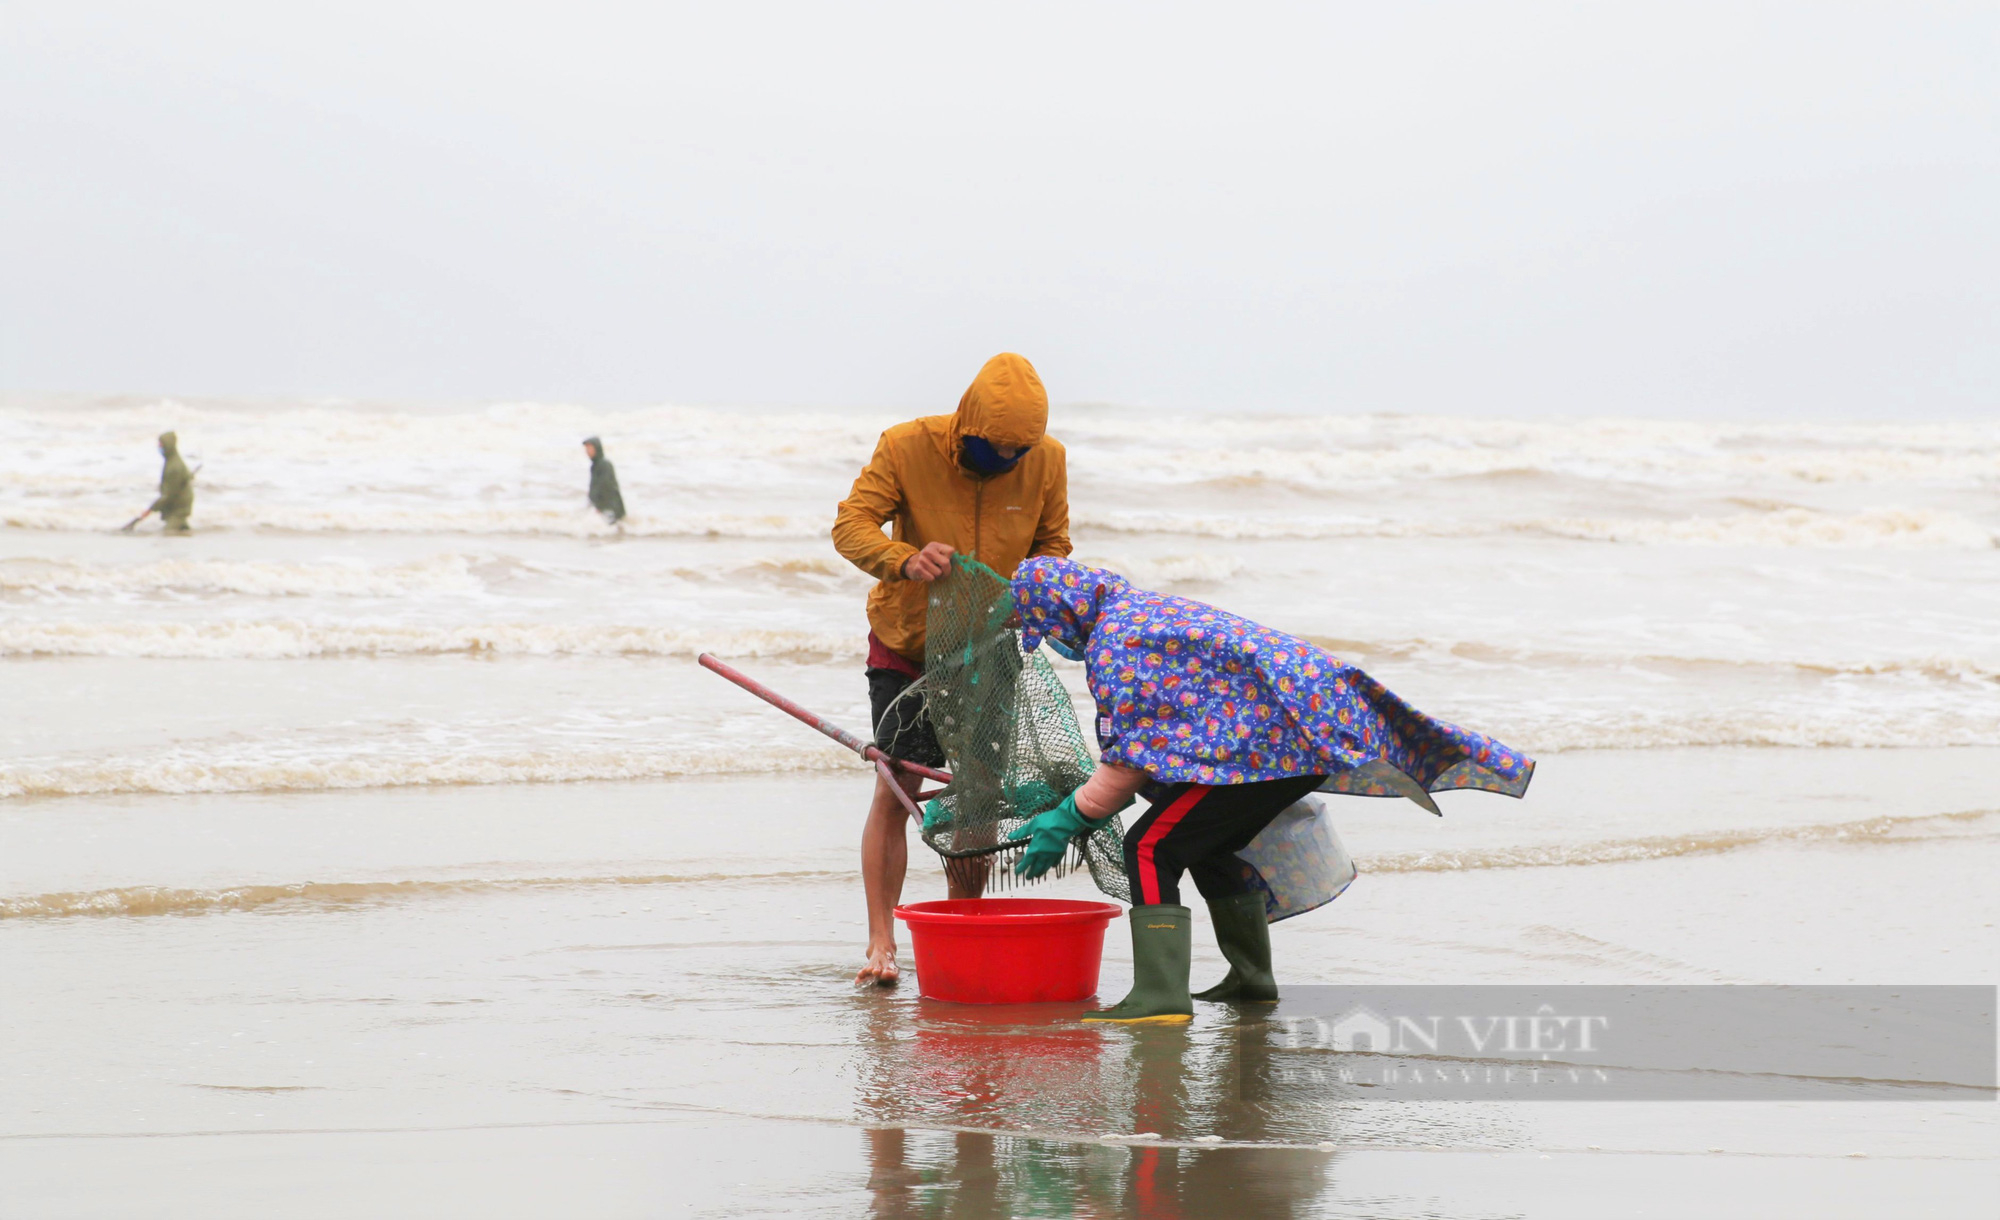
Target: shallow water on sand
{"points": [[604, 977], [380, 850]]}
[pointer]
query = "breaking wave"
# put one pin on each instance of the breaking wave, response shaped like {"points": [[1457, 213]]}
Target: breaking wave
{"points": [[1319, 447], [276, 639], [1785, 527], [1168, 571], [451, 573], [178, 775], [1329, 450], [1877, 528], [519, 520], [442, 573], [293, 638], [1793, 726], [1944, 668]]}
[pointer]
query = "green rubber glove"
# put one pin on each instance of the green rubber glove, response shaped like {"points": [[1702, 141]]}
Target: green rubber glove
{"points": [[1048, 836], [935, 816]]}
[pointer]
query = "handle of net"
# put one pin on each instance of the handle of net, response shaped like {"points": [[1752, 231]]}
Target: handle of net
{"points": [[865, 749]]}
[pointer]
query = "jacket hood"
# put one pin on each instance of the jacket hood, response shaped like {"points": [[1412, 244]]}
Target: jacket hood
{"points": [[170, 444], [1061, 600], [596, 444], [1006, 404]]}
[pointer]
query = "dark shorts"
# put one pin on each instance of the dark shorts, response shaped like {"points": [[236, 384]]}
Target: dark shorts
{"points": [[902, 726]]}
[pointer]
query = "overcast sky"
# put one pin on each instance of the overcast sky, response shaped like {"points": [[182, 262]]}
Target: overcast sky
{"points": [[1773, 211]]}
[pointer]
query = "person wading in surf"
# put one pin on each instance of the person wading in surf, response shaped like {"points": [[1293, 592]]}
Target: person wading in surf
{"points": [[176, 501], [986, 481], [604, 495]]}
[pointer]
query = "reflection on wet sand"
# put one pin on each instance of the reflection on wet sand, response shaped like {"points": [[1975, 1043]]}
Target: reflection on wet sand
{"points": [[968, 1176], [980, 1111]]}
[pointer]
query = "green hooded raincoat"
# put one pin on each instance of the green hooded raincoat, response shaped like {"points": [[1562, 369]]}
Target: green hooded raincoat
{"points": [[176, 502]]}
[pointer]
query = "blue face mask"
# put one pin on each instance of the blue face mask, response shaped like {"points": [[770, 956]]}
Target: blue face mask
{"points": [[1064, 650], [979, 456]]}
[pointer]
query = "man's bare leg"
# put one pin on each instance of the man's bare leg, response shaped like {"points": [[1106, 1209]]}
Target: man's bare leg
{"points": [[885, 857], [885, 851]]}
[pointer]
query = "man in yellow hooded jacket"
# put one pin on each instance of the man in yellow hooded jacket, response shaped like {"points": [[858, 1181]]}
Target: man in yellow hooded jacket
{"points": [[986, 481]]}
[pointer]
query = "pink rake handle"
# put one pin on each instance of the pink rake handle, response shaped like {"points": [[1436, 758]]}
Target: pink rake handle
{"points": [[867, 750]]}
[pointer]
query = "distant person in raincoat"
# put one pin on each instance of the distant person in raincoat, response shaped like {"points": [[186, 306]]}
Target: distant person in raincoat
{"points": [[604, 495], [176, 502], [986, 481], [1221, 724]]}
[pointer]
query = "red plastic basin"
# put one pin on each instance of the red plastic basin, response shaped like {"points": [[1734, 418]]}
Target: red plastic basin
{"points": [[1008, 950]]}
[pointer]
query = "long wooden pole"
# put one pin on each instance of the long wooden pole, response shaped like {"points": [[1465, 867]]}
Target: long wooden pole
{"points": [[865, 749]]}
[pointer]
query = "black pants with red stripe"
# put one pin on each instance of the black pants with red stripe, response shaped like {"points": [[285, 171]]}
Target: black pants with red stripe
{"points": [[1199, 828]]}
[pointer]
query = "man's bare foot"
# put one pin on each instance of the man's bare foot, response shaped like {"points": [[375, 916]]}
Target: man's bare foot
{"points": [[881, 969]]}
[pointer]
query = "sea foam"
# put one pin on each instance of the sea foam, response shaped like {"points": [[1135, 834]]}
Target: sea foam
{"points": [[1784, 527], [274, 639], [215, 770]]}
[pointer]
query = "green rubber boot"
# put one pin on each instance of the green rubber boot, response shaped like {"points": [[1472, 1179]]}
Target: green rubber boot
{"points": [[1162, 952], [1244, 937]]}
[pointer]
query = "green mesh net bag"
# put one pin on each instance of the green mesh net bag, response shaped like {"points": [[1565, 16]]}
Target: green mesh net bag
{"points": [[1008, 730]]}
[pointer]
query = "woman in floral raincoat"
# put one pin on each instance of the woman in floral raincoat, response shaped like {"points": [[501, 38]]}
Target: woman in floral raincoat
{"points": [[1221, 724]]}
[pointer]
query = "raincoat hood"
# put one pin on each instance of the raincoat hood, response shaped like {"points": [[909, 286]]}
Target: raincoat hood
{"points": [[170, 445], [597, 445], [1005, 404], [1060, 600]]}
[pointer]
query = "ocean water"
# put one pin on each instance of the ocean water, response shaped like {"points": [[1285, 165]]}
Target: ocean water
{"points": [[392, 799], [379, 597]]}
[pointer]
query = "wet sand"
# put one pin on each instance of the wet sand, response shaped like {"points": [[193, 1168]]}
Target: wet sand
{"points": [[787, 1169], [605, 999]]}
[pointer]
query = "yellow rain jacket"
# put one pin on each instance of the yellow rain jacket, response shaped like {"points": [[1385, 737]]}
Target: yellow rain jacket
{"points": [[915, 481]]}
